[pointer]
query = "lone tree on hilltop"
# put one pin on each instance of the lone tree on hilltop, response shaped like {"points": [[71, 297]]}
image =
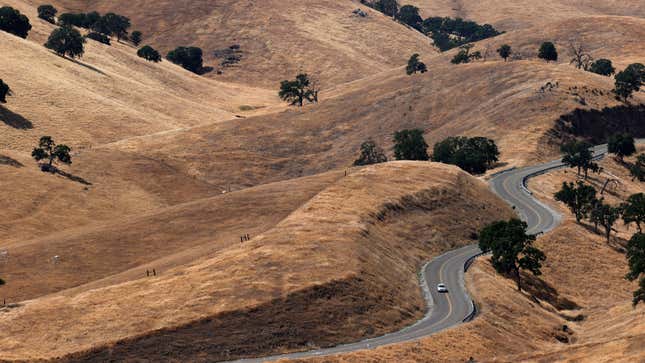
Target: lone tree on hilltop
{"points": [[548, 52], [136, 37], [190, 58], [4, 91], [621, 145], [473, 155], [636, 262], [370, 154], [387, 7], [580, 199], [634, 210], [149, 53], [637, 169], [577, 154], [298, 91], [49, 151], [512, 248], [409, 14], [580, 58], [602, 66], [629, 81], [504, 51], [66, 41], [47, 13], [12, 21], [410, 145], [415, 65], [465, 56]]}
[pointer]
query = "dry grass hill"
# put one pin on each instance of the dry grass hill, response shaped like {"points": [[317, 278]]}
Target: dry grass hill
{"points": [[170, 169]]}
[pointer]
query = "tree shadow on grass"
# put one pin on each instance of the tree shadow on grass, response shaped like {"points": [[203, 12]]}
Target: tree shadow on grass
{"points": [[82, 64], [14, 120], [542, 290], [5, 160], [54, 170]]}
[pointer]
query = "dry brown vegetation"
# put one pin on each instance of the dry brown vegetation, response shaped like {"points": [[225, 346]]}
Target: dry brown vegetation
{"points": [[158, 145]]}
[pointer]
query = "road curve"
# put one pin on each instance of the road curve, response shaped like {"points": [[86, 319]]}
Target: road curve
{"points": [[448, 310]]}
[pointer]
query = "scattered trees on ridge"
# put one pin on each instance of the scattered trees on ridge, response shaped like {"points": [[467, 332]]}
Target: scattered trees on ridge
{"points": [[410, 145], [621, 145], [49, 151], [464, 55], [415, 65], [580, 199], [47, 13], [629, 81], [66, 41], [512, 248], [298, 91], [190, 58], [149, 53], [602, 66], [548, 52], [636, 261], [473, 155], [4, 91], [370, 154], [504, 51], [12, 21]]}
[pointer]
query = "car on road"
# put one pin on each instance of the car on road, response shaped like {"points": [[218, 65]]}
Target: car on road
{"points": [[442, 288]]}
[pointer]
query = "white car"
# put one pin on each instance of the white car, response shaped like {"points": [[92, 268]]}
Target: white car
{"points": [[442, 288]]}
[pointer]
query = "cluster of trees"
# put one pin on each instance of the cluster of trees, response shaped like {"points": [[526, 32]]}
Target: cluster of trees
{"points": [[12, 21], [465, 56], [578, 154], [512, 249], [110, 24], [447, 33], [474, 155], [190, 58], [47, 13], [415, 65], [49, 151], [4, 91], [636, 262], [409, 144], [297, 91]]}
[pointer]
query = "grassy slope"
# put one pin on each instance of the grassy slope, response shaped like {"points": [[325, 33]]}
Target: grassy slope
{"points": [[278, 37], [355, 240]]}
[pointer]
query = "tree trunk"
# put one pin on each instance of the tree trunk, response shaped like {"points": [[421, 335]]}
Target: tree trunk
{"points": [[607, 233], [519, 279]]}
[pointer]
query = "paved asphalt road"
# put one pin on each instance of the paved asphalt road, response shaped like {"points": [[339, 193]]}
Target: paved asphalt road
{"points": [[449, 309]]}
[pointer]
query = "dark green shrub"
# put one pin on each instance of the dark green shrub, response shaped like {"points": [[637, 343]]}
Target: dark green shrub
{"points": [[188, 57], [12, 21], [149, 53], [47, 13]]}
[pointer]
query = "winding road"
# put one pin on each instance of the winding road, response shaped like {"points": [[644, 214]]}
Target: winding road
{"points": [[451, 309]]}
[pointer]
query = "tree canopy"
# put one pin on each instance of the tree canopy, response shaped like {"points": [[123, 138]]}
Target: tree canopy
{"points": [[577, 154], [298, 91], [12, 21], [634, 210], [602, 66], [4, 91], [47, 13], [149, 53], [637, 169], [504, 51], [512, 248], [580, 199], [473, 155], [415, 65], [387, 7], [548, 52], [629, 81], [136, 37], [636, 262], [189, 58], [464, 55], [621, 145], [448, 33], [410, 145], [66, 41], [49, 151], [370, 154], [409, 14]]}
